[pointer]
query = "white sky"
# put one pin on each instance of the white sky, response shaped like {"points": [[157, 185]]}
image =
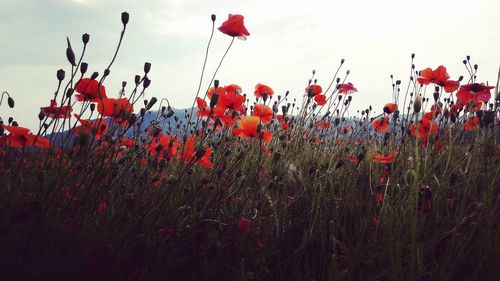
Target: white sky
{"points": [[288, 39]]}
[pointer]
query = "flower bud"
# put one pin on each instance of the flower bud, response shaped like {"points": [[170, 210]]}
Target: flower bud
{"points": [[125, 18], [137, 80], [146, 83], [70, 55], [69, 92], [147, 67], [417, 104], [94, 75], [213, 17], [60, 74], [85, 38], [10, 102], [151, 103], [83, 67], [216, 84]]}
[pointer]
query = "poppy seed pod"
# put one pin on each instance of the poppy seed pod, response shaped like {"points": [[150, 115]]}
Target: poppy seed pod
{"points": [[143, 111], [125, 18], [213, 17], [147, 82], [151, 103], [41, 115], [342, 61], [92, 106], [137, 80], [412, 56], [94, 75], [216, 84], [83, 67], [10, 102], [417, 104], [69, 92], [170, 113], [85, 38], [60, 74], [436, 96], [147, 67], [214, 100]]}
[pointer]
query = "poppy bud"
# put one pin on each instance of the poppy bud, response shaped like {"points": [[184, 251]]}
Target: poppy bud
{"points": [[460, 78], [347, 72], [475, 67], [214, 100], [143, 111], [147, 82], [151, 103], [468, 58], [41, 115], [216, 84], [60, 74], [10, 102], [412, 56], [83, 67], [436, 96], [85, 38], [125, 18], [464, 61], [213, 17], [69, 92], [342, 61], [92, 106], [337, 121], [170, 113], [70, 55], [10, 120], [417, 104], [94, 75], [137, 80], [147, 67]]}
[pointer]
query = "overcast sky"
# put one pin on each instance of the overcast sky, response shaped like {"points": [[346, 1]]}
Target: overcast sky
{"points": [[288, 39]]}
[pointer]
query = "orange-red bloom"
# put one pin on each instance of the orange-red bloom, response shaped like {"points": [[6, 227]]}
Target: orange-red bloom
{"points": [[119, 109], [472, 124], [381, 125], [320, 99], [231, 101], [390, 108], [20, 137], [264, 112], [384, 159], [88, 126], [475, 91], [438, 76], [263, 91], [54, 111], [250, 127], [313, 90], [89, 90], [347, 88], [220, 91], [234, 26], [200, 155], [322, 124]]}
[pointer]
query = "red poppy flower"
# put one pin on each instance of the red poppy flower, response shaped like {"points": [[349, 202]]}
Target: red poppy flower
{"points": [[352, 158], [119, 109], [438, 76], [233, 88], [220, 91], [313, 90], [347, 88], [262, 90], [264, 112], [426, 128], [390, 108], [475, 91], [231, 101], [89, 90], [472, 124], [381, 125], [320, 99], [164, 146], [450, 86], [384, 159], [250, 127], [55, 112], [88, 126], [20, 137], [200, 155], [322, 124], [203, 109], [234, 26], [244, 225]]}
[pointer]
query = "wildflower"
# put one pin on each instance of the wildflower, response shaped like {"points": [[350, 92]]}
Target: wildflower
{"points": [[119, 109], [55, 112], [203, 109], [472, 124], [229, 101], [88, 126], [438, 76], [244, 225], [220, 91], [200, 155], [390, 108], [320, 99], [322, 124], [233, 88], [20, 137], [474, 92], [384, 159], [89, 90], [264, 112], [234, 26], [263, 91], [381, 125], [347, 88], [313, 90], [425, 129], [250, 127]]}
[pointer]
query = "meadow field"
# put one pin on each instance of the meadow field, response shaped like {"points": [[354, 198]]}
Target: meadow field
{"points": [[250, 184]]}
